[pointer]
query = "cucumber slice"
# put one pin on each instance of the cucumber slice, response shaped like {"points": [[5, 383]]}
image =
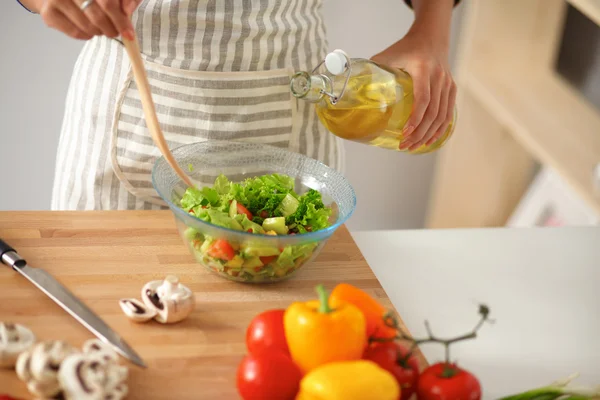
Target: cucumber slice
{"points": [[276, 224], [233, 209], [288, 205], [261, 251]]}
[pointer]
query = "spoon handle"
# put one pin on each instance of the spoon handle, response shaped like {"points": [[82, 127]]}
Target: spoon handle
{"points": [[139, 73]]}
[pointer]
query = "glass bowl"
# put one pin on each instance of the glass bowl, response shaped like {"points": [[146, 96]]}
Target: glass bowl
{"points": [[258, 257]]}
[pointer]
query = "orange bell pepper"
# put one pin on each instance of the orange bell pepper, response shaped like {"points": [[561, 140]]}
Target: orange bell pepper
{"points": [[373, 310], [318, 334]]}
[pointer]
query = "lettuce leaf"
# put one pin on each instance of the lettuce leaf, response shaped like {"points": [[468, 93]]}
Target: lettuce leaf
{"points": [[194, 197], [262, 196], [291, 253], [311, 212], [264, 193]]}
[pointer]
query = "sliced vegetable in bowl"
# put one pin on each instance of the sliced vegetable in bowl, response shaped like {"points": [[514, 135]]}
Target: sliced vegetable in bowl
{"points": [[258, 205], [271, 209], [266, 205]]}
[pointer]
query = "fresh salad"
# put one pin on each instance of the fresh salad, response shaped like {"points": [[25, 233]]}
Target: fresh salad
{"points": [[263, 205]]}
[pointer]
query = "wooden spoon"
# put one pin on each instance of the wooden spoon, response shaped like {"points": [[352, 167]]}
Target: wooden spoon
{"points": [[139, 73]]}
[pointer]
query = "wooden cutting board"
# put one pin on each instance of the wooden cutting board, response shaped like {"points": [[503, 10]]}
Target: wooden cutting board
{"points": [[105, 256]]}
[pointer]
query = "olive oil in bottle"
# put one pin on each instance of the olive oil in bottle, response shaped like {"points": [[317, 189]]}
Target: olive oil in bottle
{"points": [[372, 104]]}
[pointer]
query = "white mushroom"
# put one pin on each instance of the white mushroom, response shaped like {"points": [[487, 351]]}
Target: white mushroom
{"points": [[136, 310], [14, 339], [93, 375], [98, 350], [171, 300], [39, 367]]}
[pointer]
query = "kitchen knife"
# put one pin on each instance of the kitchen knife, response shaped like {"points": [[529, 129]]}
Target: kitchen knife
{"points": [[67, 300]]}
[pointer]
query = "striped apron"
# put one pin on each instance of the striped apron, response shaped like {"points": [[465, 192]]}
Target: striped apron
{"points": [[218, 69]]}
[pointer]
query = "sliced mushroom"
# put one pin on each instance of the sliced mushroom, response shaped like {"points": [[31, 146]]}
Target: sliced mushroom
{"points": [[89, 377], [172, 301], [97, 349], [136, 310], [39, 367], [14, 339]]}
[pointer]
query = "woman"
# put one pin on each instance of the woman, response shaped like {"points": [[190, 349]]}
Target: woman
{"points": [[219, 69]]}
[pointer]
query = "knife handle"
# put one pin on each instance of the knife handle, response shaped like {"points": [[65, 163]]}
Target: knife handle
{"points": [[4, 248]]}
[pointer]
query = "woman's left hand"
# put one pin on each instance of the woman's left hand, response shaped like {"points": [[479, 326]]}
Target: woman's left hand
{"points": [[426, 60]]}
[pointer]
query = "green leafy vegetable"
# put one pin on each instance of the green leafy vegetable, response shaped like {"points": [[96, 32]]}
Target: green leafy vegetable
{"points": [[559, 390], [311, 213], [290, 254], [264, 196], [195, 197]]}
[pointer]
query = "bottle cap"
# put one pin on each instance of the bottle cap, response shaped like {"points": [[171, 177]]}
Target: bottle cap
{"points": [[336, 62]]}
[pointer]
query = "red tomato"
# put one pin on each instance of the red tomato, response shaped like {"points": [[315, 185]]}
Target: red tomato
{"points": [[444, 381], [265, 332], [264, 214], [391, 356], [221, 249], [243, 210], [270, 375], [268, 260]]}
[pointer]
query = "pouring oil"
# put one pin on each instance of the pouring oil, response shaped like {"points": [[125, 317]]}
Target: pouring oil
{"points": [[373, 103]]}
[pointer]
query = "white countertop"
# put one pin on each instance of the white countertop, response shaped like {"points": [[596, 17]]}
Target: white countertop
{"points": [[541, 284]]}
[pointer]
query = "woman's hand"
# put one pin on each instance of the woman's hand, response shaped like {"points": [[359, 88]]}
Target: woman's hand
{"points": [[423, 53], [102, 17]]}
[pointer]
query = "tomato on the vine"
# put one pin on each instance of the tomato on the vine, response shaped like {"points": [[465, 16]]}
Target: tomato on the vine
{"points": [[265, 332], [446, 381], [391, 356], [268, 375]]}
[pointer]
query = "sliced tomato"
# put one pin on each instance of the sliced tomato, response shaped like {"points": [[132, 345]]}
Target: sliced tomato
{"points": [[264, 214], [243, 210], [221, 249], [268, 259]]}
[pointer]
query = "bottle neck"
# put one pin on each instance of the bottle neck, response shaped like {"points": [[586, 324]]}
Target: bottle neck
{"points": [[311, 88]]}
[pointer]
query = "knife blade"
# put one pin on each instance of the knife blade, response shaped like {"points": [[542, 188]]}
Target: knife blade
{"points": [[68, 301]]}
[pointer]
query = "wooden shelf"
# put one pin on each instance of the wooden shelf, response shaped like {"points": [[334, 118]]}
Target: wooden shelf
{"points": [[548, 118], [515, 112], [591, 8]]}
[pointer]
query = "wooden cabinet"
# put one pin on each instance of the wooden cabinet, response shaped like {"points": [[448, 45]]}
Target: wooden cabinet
{"points": [[515, 113]]}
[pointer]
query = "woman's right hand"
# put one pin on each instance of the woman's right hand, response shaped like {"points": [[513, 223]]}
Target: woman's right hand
{"points": [[102, 17]]}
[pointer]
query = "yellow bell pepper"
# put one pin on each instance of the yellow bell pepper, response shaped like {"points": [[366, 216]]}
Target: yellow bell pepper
{"points": [[349, 380], [318, 334]]}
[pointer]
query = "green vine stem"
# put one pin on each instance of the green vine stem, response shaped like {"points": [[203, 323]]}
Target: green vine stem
{"points": [[392, 322], [324, 307]]}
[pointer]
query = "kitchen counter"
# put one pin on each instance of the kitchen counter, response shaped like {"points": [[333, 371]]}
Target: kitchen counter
{"points": [[541, 285], [105, 256]]}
